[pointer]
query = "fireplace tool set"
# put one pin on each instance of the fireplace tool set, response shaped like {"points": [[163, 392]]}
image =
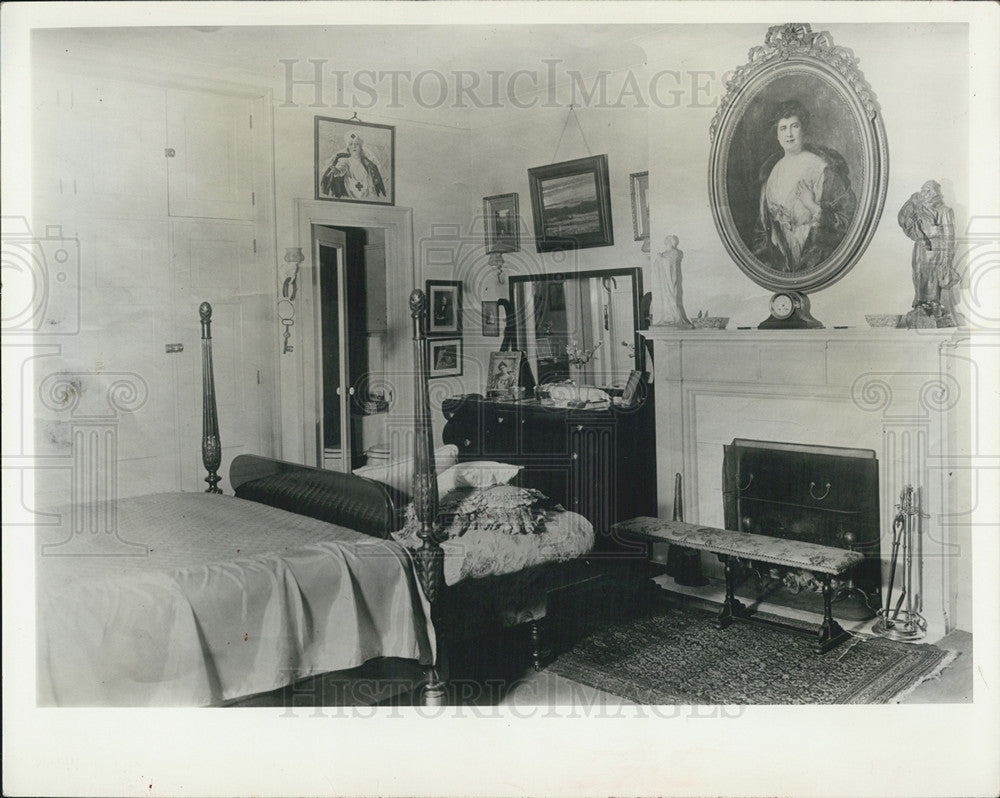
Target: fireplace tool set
{"points": [[899, 623]]}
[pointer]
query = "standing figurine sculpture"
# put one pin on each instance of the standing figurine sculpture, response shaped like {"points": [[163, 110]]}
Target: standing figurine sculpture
{"points": [[668, 299], [930, 224]]}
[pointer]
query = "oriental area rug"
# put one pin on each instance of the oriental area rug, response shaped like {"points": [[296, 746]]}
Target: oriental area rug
{"points": [[677, 656]]}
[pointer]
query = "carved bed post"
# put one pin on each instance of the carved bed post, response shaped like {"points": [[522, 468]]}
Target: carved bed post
{"points": [[429, 557], [211, 448]]}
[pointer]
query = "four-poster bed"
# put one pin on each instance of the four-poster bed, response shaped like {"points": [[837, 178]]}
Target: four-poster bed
{"points": [[303, 572]]}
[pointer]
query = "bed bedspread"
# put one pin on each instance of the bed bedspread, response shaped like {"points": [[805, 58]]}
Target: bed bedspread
{"points": [[232, 598]]}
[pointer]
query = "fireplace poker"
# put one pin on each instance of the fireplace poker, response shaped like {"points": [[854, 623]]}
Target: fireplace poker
{"points": [[910, 627], [897, 535]]}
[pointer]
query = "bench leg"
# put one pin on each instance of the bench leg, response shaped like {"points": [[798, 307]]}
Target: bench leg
{"points": [[731, 608], [831, 633]]}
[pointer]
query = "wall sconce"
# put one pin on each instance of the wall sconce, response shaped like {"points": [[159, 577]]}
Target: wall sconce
{"points": [[294, 256], [286, 310]]}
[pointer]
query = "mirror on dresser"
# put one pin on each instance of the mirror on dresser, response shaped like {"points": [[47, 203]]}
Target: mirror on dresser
{"points": [[580, 310]]}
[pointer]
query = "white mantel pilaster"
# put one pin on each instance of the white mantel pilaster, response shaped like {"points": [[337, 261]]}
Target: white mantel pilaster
{"points": [[902, 393]]}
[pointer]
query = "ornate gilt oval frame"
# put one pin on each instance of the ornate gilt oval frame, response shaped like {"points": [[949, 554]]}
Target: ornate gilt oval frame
{"points": [[795, 63]]}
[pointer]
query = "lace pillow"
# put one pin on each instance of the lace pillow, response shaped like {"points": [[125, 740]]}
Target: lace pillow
{"points": [[503, 509]]}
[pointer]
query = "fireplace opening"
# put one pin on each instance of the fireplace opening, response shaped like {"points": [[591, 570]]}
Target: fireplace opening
{"points": [[820, 494]]}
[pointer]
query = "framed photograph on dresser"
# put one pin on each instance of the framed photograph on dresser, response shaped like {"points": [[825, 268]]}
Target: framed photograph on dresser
{"points": [[504, 375], [631, 393]]}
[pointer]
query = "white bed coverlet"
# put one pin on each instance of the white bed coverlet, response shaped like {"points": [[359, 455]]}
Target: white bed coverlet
{"points": [[233, 598]]}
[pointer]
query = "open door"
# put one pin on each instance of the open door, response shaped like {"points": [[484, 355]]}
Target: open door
{"points": [[333, 427]]}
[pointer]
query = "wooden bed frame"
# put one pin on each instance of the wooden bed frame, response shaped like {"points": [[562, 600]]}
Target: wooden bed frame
{"points": [[429, 558]]}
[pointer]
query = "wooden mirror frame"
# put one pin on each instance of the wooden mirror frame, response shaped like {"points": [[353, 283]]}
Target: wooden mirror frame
{"points": [[517, 320]]}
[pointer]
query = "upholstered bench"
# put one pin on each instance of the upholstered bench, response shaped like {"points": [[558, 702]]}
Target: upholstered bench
{"points": [[824, 561]]}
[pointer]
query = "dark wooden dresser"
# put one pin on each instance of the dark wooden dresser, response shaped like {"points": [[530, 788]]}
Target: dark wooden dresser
{"points": [[599, 463]]}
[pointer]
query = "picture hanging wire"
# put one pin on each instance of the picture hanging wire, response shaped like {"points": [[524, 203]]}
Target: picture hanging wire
{"points": [[572, 113]]}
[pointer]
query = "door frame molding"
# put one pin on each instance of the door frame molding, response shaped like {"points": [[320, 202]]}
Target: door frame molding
{"points": [[298, 395]]}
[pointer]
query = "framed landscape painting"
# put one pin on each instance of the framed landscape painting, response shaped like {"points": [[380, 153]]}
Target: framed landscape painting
{"points": [[571, 204]]}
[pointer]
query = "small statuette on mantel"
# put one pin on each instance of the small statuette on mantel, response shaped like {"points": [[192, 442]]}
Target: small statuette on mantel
{"points": [[930, 224], [668, 300]]}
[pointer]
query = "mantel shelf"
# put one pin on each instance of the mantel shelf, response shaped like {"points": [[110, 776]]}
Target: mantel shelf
{"points": [[755, 336]]}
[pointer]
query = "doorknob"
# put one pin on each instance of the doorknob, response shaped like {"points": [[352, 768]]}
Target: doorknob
{"points": [[350, 391]]}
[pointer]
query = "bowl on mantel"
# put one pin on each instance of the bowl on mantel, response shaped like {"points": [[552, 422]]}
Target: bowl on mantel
{"points": [[884, 320], [710, 322]]}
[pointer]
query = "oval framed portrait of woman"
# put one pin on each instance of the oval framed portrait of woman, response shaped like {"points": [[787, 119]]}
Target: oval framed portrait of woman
{"points": [[799, 165]]}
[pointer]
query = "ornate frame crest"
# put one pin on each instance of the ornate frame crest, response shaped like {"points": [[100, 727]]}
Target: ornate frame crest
{"points": [[845, 132]]}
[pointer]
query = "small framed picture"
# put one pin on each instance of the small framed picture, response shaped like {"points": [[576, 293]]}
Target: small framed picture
{"points": [[640, 204], [444, 357], [631, 393], [444, 298], [355, 161], [502, 223], [491, 319], [504, 374]]}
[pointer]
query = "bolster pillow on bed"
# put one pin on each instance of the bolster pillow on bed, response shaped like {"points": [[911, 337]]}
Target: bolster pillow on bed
{"points": [[343, 499]]}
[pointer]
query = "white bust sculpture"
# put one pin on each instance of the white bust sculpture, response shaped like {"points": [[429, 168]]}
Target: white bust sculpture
{"points": [[668, 307]]}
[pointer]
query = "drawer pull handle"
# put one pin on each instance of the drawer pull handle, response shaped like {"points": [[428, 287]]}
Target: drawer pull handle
{"points": [[576, 455], [579, 427], [819, 498], [500, 419], [466, 443]]}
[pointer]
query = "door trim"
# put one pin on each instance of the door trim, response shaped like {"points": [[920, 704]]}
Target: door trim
{"points": [[298, 378]]}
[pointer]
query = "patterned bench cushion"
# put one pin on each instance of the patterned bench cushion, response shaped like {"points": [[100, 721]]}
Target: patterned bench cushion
{"points": [[779, 551]]}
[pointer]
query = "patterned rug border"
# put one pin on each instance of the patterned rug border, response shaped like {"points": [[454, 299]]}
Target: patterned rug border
{"points": [[908, 666]]}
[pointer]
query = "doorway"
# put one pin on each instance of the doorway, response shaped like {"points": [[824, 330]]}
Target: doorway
{"points": [[352, 397]]}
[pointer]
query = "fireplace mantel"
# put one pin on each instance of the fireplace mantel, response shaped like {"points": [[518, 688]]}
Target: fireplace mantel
{"points": [[902, 393]]}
